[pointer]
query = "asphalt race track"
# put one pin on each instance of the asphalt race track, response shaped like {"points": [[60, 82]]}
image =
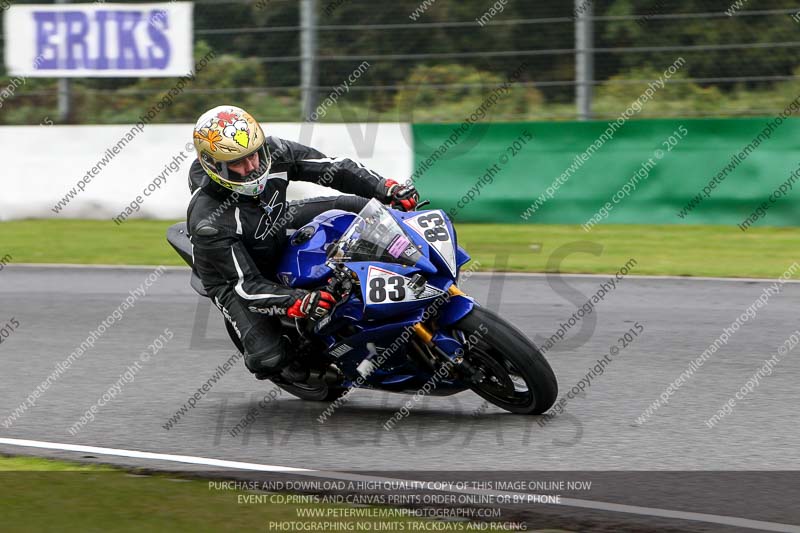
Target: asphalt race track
{"points": [[597, 437]]}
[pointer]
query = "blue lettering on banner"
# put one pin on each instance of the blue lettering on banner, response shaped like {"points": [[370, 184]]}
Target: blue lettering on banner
{"points": [[119, 41]]}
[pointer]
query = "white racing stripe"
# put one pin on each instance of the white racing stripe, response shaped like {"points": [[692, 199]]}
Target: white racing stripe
{"points": [[565, 502], [240, 286], [238, 222]]}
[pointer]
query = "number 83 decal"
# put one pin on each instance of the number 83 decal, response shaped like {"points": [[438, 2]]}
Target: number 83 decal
{"points": [[433, 227], [382, 288], [387, 287]]}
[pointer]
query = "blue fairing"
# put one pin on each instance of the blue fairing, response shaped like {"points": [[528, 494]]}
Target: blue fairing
{"points": [[380, 315], [303, 264]]}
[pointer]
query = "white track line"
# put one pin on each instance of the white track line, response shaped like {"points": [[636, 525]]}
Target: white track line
{"points": [[11, 266], [566, 502]]}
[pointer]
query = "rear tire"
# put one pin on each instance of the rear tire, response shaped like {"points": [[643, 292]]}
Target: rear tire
{"points": [[318, 393], [517, 376]]}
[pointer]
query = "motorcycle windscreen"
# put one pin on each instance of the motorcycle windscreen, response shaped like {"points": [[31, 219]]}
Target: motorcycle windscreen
{"points": [[375, 235]]}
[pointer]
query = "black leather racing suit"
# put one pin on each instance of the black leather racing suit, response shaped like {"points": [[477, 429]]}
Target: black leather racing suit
{"points": [[237, 240]]}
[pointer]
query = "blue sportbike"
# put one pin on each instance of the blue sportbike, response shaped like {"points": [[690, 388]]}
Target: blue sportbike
{"points": [[403, 325]]}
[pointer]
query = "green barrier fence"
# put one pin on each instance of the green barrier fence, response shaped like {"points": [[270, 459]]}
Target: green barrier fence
{"points": [[507, 166]]}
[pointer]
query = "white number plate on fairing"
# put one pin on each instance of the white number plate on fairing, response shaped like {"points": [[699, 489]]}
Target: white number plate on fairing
{"points": [[386, 287], [432, 227]]}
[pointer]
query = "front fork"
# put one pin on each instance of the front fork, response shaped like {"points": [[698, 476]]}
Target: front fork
{"points": [[458, 366]]}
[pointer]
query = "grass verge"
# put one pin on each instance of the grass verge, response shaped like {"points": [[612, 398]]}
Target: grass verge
{"points": [[661, 250], [45, 495]]}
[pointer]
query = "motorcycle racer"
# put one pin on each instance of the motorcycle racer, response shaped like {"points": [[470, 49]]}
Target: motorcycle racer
{"points": [[238, 219]]}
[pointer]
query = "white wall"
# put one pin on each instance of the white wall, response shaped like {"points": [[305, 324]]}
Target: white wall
{"points": [[42, 163]]}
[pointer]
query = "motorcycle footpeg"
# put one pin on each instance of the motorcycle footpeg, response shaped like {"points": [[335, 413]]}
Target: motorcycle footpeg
{"points": [[333, 376], [329, 376]]}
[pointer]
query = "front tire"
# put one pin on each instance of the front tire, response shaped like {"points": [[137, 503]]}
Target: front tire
{"points": [[516, 376]]}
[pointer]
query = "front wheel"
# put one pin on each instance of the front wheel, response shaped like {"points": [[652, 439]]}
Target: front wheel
{"points": [[512, 372]]}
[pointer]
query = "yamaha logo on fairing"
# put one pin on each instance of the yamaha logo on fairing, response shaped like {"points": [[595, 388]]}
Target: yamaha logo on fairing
{"points": [[340, 350]]}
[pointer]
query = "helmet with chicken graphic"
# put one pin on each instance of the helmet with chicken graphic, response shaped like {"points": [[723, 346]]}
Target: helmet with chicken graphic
{"points": [[226, 135]]}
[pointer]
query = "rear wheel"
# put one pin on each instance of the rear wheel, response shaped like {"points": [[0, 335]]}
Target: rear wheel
{"points": [[314, 393], [512, 372]]}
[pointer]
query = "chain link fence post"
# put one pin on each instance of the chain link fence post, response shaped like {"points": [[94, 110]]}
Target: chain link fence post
{"points": [[584, 58], [309, 72]]}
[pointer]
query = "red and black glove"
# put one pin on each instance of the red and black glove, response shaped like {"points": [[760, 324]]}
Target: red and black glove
{"points": [[402, 197], [314, 305]]}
